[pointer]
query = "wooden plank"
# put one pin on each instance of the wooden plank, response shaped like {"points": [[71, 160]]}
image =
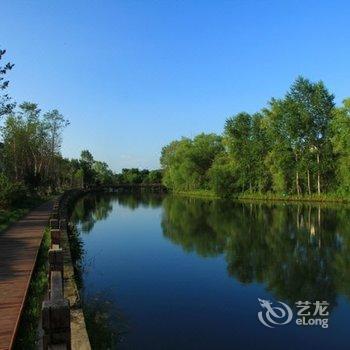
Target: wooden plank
{"points": [[19, 246]]}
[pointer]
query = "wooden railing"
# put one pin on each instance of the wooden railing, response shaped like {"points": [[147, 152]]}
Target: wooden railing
{"points": [[56, 309]]}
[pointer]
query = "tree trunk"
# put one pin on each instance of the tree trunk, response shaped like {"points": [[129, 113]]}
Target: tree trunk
{"points": [[297, 176], [15, 160], [318, 174], [308, 182], [298, 215], [297, 182]]}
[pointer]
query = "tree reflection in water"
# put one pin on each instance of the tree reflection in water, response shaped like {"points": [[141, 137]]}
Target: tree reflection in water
{"points": [[90, 209], [298, 251], [97, 206]]}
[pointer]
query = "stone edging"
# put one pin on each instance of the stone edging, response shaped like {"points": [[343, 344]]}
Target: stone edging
{"points": [[63, 317]]}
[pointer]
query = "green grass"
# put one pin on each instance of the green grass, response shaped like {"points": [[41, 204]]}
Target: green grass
{"points": [[7, 217], [27, 335], [198, 193], [11, 215], [329, 197]]}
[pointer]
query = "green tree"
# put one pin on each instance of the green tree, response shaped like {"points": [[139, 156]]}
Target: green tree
{"points": [[186, 162], [341, 145], [247, 147], [283, 158], [55, 123], [312, 106], [223, 176], [260, 146], [300, 129], [86, 164], [6, 105], [104, 175], [155, 177]]}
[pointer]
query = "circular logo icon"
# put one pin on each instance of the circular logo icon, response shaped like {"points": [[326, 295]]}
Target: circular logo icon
{"points": [[274, 315]]}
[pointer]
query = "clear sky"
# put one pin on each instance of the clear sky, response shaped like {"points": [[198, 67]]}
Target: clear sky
{"points": [[132, 76]]}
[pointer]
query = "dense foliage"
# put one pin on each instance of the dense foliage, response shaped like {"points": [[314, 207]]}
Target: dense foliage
{"points": [[297, 145], [135, 176]]}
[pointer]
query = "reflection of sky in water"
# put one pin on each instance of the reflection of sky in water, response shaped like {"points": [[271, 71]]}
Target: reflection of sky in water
{"points": [[187, 274]]}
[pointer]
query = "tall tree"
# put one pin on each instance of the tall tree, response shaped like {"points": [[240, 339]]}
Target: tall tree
{"points": [[86, 164], [6, 105], [186, 162], [341, 145], [300, 124], [238, 139], [55, 123], [287, 134], [260, 146], [312, 106]]}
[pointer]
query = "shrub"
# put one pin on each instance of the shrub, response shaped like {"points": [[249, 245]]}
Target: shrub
{"points": [[11, 193]]}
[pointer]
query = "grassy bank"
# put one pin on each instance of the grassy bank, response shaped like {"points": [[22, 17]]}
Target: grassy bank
{"points": [[198, 193], [330, 198], [9, 216], [27, 335]]}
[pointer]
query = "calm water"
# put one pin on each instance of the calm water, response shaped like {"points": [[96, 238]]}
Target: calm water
{"points": [[171, 272]]}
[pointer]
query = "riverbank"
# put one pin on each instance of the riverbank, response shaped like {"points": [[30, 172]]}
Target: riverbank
{"points": [[323, 198], [8, 217], [71, 248]]}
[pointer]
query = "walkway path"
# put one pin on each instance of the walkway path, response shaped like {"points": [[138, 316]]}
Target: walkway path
{"points": [[19, 247]]}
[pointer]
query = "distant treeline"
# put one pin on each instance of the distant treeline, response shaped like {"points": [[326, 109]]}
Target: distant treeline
{"points": [[30, 160], [297, 145]]}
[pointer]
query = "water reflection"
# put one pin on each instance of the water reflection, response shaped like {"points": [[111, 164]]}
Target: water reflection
{"points": [[298, 251], [97, 206], [90, 209], [105, 322]]}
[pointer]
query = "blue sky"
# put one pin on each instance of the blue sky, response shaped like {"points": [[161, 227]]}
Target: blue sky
{"points": [[132, 76]]}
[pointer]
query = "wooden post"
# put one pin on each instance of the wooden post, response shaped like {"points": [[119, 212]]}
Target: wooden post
{"points": [[54, 224], [63, 225], [54, 214], [56, 323], [56, 285], [55, 260], [55, 237]]}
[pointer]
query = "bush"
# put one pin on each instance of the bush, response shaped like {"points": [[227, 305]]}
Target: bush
{"points": [[11, 193], [222, 177]]}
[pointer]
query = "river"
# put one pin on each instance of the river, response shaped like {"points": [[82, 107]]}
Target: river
{"points": [[170, 272]]}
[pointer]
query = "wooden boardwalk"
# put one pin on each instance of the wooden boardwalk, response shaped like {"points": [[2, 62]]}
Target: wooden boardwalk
{"points": [[19, 247]]}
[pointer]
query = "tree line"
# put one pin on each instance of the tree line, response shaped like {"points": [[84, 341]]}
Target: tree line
{"points": [[31, 163], [296, 145]]}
